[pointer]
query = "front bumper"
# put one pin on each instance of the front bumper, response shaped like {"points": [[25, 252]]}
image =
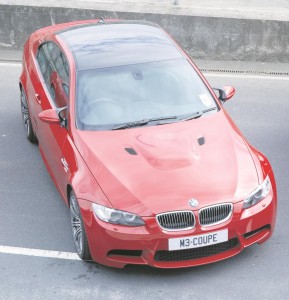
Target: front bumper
{"points": [[117, 246]]}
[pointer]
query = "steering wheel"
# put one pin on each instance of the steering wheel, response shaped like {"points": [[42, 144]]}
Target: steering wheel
{"points": [[146, 109], [102, 110], [92, 105]]}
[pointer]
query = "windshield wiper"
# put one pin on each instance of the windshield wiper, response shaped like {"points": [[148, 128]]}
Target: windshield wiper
{"points": [[140, 122], [196, 115], [143, 122], [209, 109], [191, 116]]}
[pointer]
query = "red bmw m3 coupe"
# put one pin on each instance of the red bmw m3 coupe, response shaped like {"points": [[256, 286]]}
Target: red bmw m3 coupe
{"points": [[138, 144]]}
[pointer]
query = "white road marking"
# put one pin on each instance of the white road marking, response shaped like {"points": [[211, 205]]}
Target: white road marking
{"points": [[246, 76], [39, 252], [10, 64]]}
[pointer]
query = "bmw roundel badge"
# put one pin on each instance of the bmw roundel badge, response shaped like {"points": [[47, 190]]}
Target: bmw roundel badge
{"points": [[194, 202]]}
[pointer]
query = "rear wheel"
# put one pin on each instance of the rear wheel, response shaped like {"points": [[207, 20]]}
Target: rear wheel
{"points": [[26, 118], [78, 230]]}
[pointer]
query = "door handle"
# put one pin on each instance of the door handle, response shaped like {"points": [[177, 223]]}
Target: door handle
{"points": [[38, 98]]}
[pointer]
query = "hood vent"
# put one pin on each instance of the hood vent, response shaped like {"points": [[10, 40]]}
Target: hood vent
{"points": [[201, 140], [131, 151]]}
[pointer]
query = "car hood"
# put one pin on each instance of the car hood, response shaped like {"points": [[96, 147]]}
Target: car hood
{"points": [[154, 169]]}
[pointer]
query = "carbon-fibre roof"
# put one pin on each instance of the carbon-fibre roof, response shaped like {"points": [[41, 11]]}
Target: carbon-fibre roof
{"points": [[111, 44]]}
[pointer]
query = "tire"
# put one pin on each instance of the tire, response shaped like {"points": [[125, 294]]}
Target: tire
{"points": [[78, 230], [26, 118]]}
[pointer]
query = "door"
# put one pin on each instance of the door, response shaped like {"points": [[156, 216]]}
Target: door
{"points": [[53, 93]]}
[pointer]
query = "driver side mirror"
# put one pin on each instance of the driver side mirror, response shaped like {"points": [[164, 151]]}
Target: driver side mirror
{"points": [[226, 93], [53, 116]]}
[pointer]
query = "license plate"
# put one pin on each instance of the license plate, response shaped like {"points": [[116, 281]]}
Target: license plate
{"points": [[196, 241]]}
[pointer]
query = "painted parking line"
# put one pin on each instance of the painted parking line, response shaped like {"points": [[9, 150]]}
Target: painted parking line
{"points": [[39, 253]]}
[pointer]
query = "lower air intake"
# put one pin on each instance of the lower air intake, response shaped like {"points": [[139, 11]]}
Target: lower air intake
{"points": [[190, 254]]}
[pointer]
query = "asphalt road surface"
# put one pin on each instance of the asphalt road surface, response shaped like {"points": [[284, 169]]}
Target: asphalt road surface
{"points": [[33, 216]]}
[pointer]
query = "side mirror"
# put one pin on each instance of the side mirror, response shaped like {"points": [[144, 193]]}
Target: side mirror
{"points": [[226, 93], [53, 116], [49, 116]]}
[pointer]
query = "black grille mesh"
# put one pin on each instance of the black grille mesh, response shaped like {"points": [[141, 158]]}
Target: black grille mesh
{"points": [[189, 254]]}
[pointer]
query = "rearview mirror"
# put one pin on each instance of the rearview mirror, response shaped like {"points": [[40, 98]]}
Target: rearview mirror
{"points": [[226, 93]]}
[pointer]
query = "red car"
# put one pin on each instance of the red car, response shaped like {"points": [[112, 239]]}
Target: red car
{"points": [[152, 167]]}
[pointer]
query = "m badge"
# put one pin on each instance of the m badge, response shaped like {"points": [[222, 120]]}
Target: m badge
{"points": [[65, 164]]}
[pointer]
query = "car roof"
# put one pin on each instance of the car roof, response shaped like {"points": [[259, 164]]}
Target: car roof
{"points": [[102, 44]]}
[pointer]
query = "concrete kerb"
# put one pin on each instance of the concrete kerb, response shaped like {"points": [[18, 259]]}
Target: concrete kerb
{"points": [[203, 37]]}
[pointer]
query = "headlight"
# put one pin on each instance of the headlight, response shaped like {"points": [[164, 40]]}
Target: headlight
{"points": [[258, 194], [113, 216]]}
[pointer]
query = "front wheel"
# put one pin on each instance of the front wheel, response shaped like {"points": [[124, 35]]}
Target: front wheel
{"points": [[78, 230], [26, 118]]}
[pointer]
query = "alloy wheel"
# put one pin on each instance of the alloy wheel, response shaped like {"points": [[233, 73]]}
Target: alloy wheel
{"points": [[29, 132], [76, 224], [25, 113]]}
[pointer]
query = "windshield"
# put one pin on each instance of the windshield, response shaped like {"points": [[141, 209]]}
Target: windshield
{"points": [[111, 96]]}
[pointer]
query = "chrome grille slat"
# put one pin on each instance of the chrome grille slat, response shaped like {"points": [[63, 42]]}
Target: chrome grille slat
{"points": [[215, 214], [176, 220]]}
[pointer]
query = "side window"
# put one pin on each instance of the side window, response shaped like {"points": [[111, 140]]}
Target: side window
{"points": [[55, 71], [44, 63]]}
